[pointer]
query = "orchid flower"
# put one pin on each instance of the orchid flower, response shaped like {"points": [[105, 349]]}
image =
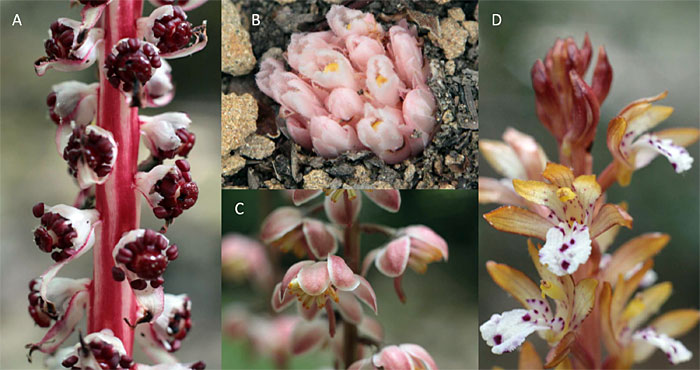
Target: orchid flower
{"points": [[573, 301], [573, 217], [317, 285], [404, 356], [633, 147]]}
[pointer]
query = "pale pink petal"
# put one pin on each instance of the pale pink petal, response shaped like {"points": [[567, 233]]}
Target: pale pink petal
{"points": [[314, 279], [268, 67], [369, 259], [361, 49], [82, 55], [342, 211], [344, 103], [349, 307], [393, 258], [302, 196], [371, 328], [364, 364], [292, 273], [299, 132], [280, 222], [345, 22], [419, 111], [185, 4], [307, 336], [341, 275], [330, 139], [73, 313], [320, 240], [407, 55], [299, 97], [424, 238], [279, 303], [303, 45], [330, 69], [308, 313], [366, 294], [421, 354], [388, 200], [392, 357]]}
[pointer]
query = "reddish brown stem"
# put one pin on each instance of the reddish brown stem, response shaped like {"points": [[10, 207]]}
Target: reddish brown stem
{"points": [[117, 201], [351, 244], [607, 177]]}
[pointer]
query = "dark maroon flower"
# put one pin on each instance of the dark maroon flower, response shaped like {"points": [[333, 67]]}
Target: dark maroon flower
{"points": [[90, 153], [131, 62]]}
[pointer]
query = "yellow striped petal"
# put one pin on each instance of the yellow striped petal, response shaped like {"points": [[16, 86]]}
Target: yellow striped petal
{"points": [[560, 352], [513, 281], [558, 175], [608, 335], [640, 104], [646, 303], [609, 216], [633, 252], [623, 291], [584, 299], [646, 119], [517, 220]]}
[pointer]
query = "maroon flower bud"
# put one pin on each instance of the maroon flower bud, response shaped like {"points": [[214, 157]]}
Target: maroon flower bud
{"points": [[60, 45], [90, 153], [172, 30], [145, 255], [169, 189], [131, 62]]}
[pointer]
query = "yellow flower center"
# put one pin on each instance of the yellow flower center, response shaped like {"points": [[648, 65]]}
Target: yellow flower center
{"points": [[336, 194], [291, 241], [376, 124], [380, 80], [349, 26], [565, 194], [308, 300], [554, 291], [331, 67]]}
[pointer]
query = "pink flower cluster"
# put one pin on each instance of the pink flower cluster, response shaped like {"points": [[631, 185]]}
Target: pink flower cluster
{"points": [[355, 87]]}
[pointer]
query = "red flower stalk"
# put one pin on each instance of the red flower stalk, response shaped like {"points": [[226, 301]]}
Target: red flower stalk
{"points": [[126, 291]]}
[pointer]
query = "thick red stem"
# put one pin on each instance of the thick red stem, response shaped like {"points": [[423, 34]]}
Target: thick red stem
{"points": [[117, 200]]}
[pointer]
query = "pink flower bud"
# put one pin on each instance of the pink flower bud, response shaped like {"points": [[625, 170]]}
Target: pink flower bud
{"points": [[330, 139], [69, 48], [407, 56], [361, 49], [299, 131], [169, 189], [382, 81], [72, 101], [91, 152], [380, 131], [345, 22], [344, 103], [243, 258], [419, 112], [328, 68], [303, 45], [166, 135]]}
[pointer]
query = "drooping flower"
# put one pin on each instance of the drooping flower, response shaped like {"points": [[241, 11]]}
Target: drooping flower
{"points": [[414, 246], [570, 219], [342, 206], [100, 350], [169, 189], [404, 356], [287, 228], [168, 29], [69, 48], [243, 258], [72, 101], [165, 334], [166, 135], [317, 285], [633, 147], [91, 153], [159, 90], [573, 301], [518, 156], [141, 257]]}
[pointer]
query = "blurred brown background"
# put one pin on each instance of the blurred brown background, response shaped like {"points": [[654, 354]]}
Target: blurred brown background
{"points": [[32, 172]]}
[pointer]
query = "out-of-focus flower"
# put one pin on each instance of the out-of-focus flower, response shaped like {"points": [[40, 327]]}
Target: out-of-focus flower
{"points": [[69, 48], [573, 217], [343, 205], [414, 246], [166, 135], [347, 92], [574, 301], [185, 4], [404, 356], [315, 285], [629, 259], [310, 335], [633, 147], [287, 228], [272, 337], [518, 156], [243, 258]]}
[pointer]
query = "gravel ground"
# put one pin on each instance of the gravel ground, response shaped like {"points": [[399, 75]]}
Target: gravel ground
{"points": [[256, 155]]}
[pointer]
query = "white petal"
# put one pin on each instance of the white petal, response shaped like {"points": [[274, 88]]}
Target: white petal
{"points": [[507, 331], [160, 131], [145, 181], [674, 349], [567, 247], [649, 146]]}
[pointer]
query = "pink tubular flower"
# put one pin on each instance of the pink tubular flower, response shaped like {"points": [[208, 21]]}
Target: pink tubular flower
{"points": [[166, 135], [346, 22], [382, 81], [287, 229], [330, 139], [66, 51], [243, 258], [72, 101], [272, 337], [344, 103], [91, 153], [414, 246], [419, 113], [408, 56], [302, 46], [382, 131], [141, 257], [329, 69], [361, 49], [317, 284], [404, 356], [169, 189]]}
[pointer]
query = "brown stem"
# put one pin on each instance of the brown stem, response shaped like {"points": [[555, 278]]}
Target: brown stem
{"points": [[351, 247], [608, 176]]}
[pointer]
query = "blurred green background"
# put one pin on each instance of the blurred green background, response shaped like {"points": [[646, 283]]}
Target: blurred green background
{"points": [[32, 172], [441, 309], [652, 46]]}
